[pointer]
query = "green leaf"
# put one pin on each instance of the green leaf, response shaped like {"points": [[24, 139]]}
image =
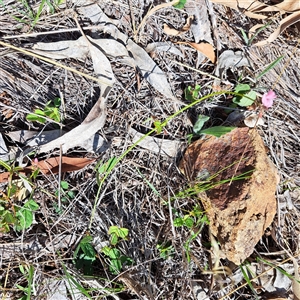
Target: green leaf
{"points": [[25, 218], [191, 94], [120, 232], [125, 260], [269, 67], [114, 253], [178, 222], [188, 222], [115, 266], [199, 124], [106, 250], [246, 100], [217, 130], [64, 185], [40, 112], [34, 118], [158, 126], [113, 229], [89, 251], [71, 194], [54, 114], [180, 4], [242, 88], [32, 205], [57, 102], [123, 233], [114, 239], [244, 36], [108, 166], [5, 165]]}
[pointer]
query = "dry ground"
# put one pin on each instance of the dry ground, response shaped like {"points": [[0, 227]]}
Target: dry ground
{"points": [[128, 199]]}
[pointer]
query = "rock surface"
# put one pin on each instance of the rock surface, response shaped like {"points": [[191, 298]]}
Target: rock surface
{"points": [[238, 210]]}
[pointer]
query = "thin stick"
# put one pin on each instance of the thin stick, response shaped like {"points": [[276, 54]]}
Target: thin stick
{"points": [[34, 34]]}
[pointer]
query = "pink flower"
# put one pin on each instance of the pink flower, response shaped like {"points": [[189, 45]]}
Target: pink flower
{"points": [[267, 99]]}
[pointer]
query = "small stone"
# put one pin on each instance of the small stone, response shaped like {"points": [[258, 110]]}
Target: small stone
{"points": [[239, 211]]}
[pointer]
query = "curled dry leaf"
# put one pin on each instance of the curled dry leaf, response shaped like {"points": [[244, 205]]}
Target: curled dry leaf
{"points": [[172, 31], [283, 25], [68, 164], [253, 9], [205, 48], [163, 47]]}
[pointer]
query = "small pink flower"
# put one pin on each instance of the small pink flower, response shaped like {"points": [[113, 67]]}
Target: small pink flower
{"points": [[267, 99]]}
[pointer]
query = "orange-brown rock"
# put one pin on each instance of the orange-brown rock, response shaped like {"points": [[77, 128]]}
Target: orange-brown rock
{"points": [[238, 210]]}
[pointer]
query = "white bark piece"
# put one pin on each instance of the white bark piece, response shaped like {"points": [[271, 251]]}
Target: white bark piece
{"points": [[156, 145]]}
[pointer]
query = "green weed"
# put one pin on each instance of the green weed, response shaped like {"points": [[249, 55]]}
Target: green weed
{"points": [[85, 255], [28, 272], [180, 4], [50, 112], [65, 195], [19, 216], [23, 12], [194, 220], [114, 255], [166, 250], [248, 40]]}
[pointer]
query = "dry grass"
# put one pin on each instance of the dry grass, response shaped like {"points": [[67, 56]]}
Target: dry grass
{"points": [[126, 199]]}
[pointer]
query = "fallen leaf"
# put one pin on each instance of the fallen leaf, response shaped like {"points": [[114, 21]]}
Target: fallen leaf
{"points": [[150, 70], [283, 24], [172, 31], [163, 47], [35, 138], [284, 6], [200, 27], [205, 48], [68, 164], [251, 9], [229, 59], [4, 154], [51, 166], [202, 24], [95, 120]]}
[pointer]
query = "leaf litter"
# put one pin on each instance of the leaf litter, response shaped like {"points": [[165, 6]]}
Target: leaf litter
{"points": [[139, 161]]}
